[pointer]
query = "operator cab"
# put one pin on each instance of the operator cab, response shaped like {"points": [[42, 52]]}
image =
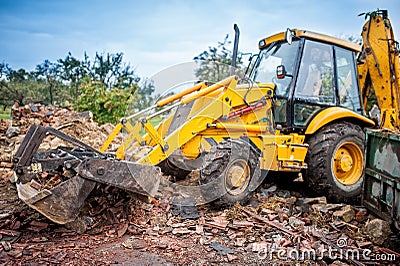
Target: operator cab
{"points": [[311, 72]]}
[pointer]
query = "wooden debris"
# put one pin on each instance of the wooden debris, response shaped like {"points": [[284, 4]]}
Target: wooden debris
{"points": [[122, 228], [242, 223], [268, 222]]}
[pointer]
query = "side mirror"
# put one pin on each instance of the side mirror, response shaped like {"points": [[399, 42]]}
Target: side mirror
{"points": [[280, 72], [289, 36]]}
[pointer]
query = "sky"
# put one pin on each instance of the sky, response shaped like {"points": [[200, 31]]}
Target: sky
{"points": [[155, 34]]}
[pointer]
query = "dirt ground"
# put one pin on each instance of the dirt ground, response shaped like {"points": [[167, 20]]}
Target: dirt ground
{"points": [[132, 232]]}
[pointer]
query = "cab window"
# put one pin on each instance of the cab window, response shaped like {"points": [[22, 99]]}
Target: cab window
{"points": [[315, 80], [315, 83], [279, 53], [349, 96]]}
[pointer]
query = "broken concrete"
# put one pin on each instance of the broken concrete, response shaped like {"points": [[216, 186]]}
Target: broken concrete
{"points": [[346, 214], [377, 230], [12, 132]]}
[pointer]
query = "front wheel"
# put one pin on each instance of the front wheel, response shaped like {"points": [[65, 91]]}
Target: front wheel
{"points": [[335, 161], [230, 173], [168, 168]]}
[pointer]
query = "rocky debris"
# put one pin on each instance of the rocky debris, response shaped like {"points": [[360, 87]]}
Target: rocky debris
{"points": [[185, 207], [278, 226], [12, 132], [377, 230], [346, 213], [4, 125], [78, 125]]}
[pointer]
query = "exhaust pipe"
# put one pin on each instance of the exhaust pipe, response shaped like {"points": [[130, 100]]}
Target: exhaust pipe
{"points": [[235, 49]]}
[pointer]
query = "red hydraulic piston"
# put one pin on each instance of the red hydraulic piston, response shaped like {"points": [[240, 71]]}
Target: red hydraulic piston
{"points": [[245, 110]]}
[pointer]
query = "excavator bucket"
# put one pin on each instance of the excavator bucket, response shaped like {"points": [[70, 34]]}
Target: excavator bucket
{"points": [[57, 182], [60, 204]]}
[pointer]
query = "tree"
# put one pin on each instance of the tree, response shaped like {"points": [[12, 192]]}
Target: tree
{"points": [[107, 105], [48, 72], [103, 85], [215, 63], [72, 71], [19, 85], [110, 87], [110, 70]]}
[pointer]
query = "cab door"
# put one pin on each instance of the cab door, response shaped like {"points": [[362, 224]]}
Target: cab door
{"points": [[315, 87], [327, 77]]}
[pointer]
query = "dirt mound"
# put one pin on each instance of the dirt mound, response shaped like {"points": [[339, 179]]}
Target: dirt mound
{"points": [[75, 124]]}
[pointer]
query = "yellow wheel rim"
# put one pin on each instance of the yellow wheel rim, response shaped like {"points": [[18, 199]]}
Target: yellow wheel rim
{"points": [[347, 163], [237, 177]]}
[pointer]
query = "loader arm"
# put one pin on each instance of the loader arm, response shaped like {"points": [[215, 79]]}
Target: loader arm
{"points": [[133, 131], [221, 97], [198, 123], [212, 105], [378, 68]]}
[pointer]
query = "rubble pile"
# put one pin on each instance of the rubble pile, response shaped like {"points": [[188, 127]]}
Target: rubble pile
{"points": [[78, 125], [14, 215], [278, 226]]}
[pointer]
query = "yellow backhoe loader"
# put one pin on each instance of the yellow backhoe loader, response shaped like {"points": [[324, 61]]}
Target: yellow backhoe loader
{"points": [[300, 108]]}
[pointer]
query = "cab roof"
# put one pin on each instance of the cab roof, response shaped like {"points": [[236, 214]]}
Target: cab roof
{"points": [[310, 35]]}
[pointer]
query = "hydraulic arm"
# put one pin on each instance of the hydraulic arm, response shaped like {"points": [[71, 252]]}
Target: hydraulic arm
{"points": [[379, 68]]}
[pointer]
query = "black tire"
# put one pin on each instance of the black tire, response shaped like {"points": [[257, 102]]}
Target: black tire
{"points": [[225, 161], [168, 168], [330, 172]]}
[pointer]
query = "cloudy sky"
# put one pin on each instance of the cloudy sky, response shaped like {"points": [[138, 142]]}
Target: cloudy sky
{"points": [[155, 34]]}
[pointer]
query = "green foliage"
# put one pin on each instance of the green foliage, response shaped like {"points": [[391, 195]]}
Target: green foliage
{"points": [[215, 63], [19, 86], [102, 85], [141, 99], [5, 116], [107, 105], [108, 69]]}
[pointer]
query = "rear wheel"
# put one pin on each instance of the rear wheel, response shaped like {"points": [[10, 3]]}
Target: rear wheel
{"points": [[335, 162], [227, 172]]}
